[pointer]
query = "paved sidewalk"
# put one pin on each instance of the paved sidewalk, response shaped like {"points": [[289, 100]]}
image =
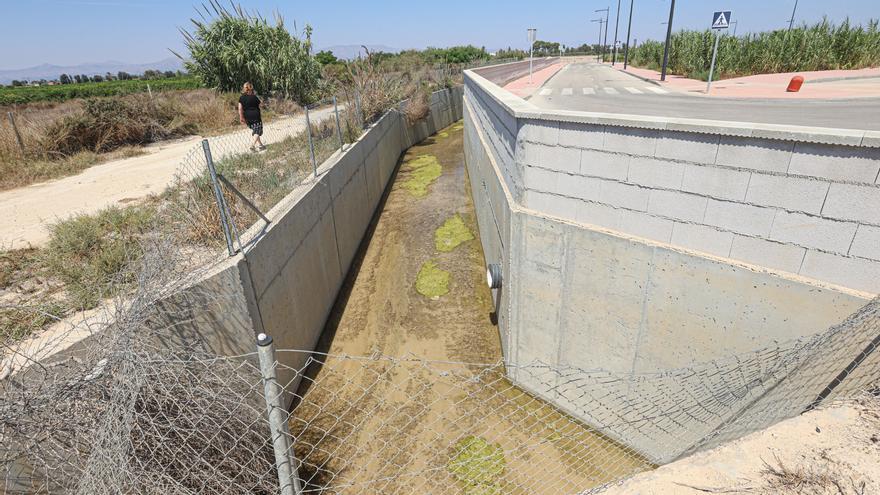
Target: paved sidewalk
{"points": [[830, 84], [523, 88]]}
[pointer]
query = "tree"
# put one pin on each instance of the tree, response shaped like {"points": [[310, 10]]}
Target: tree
{"points": [[151, 74], [168, 74], [98, 78], [325, 57], [16, 82], [123, 76], [64, 79], [546, 48], [234, 47], [108, 77]]}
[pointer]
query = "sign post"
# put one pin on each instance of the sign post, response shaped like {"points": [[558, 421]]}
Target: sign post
{"points": [[532, 37], [720, 20]]}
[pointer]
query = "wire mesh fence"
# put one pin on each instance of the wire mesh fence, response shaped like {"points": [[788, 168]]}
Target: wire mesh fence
{"points": [[139, 418], [125, 399]]}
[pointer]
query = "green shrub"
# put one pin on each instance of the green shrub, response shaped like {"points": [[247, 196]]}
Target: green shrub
{"points": [[93, 254], [235, 47], [823, 46]]}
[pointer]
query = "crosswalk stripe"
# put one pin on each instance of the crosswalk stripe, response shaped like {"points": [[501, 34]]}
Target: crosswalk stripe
{"points": [[545, 91], [567, 92], [634, 91], [656, 90], [610, 91], [589, 91]]}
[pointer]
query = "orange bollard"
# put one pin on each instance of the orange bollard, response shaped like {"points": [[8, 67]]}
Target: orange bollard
{"points": [[795, 84]]}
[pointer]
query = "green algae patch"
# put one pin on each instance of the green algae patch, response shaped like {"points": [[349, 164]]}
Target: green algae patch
{"points": [[443, 134], [423, 170], [432, 281], [458, 127], [451, 234], [478, 465]]}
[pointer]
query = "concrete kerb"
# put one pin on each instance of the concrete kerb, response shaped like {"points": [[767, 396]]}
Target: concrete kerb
{"points": [[522, 109]]}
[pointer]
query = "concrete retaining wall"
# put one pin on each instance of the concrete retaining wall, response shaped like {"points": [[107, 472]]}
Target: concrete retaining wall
{"points": [[299, 264], [638, 246], [505, 73]]}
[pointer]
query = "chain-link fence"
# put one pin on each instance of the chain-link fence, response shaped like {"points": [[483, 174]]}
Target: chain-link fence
{"points": [[123, 399], [139, 418]]}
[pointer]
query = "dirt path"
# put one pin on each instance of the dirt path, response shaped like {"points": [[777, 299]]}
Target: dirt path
{"points": [[26, 212], [421, 424]]}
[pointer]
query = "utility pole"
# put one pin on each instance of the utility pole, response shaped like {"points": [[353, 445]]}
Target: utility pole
{"points": [[605, 44], [628, 29], [791, 21], [599, 43], [668, 38], [616, 25]]}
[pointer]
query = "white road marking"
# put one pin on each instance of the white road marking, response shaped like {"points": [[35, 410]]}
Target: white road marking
{"points": [[566, 92], [656, 90], [589, 91], [610, 91], [634, 91], [545, 91]]}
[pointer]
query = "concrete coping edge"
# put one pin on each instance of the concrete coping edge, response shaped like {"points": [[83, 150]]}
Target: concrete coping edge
{"points": [[522, 109]]}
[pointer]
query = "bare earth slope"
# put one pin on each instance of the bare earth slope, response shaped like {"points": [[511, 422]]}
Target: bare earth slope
{"points": [[835, 450]]}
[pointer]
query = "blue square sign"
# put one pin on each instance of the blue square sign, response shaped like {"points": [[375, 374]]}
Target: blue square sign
{"points": [[721, 20]]}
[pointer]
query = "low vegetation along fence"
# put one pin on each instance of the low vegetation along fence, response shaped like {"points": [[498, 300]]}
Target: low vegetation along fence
{"points": [[822, 46]]}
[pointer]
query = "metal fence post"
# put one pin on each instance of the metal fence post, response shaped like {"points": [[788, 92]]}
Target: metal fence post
{"points": [[357, 105], [288, 477], [338, 127], [218, 195], [15, 129], [311, 143]]}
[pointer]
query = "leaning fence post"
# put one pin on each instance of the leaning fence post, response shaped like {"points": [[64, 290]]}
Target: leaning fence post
{"points": [[15, 129], [311, 144], [338, 127], [218, 195], [288, 477]]}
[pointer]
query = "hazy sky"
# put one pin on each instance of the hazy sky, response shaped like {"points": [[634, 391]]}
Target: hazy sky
{"points": [[67, 32]]}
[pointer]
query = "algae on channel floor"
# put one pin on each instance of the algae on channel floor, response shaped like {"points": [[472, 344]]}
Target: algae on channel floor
{"points": [[422, 170], [432, 281], [479, 465], [453, 233]]}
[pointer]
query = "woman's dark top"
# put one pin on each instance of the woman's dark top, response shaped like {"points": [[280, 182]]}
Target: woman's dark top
{"points": [[250, 104]]}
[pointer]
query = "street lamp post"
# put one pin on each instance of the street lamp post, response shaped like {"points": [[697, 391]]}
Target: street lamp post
{"points": [[616, 25], [793, 12], [668, 38], [532, 37], [599, 43], [734, 27], [607, 10], [628, 29]]}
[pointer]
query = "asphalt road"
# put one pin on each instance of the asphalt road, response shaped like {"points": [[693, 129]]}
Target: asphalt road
{"points": [[595, 88]]}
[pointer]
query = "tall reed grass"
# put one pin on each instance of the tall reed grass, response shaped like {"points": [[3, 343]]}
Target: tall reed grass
{"points": [[822, 46]]}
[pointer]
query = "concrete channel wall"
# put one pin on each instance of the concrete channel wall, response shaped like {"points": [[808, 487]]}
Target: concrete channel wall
{"points": [[287, 282], [637, 245]]}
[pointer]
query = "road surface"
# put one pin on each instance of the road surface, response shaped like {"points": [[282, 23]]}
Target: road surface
{"points": [[25, 213], [594, 88]]}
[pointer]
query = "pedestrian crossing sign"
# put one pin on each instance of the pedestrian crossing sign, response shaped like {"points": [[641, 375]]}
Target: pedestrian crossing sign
{"points": [[721, 20]]}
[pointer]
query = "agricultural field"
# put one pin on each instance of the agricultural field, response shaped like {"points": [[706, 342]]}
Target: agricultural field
{"points": [[822, 46], [30, 94]]}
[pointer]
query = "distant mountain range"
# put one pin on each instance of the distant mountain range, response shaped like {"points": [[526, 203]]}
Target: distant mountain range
{"points": [[49, 71], [350, 52]]}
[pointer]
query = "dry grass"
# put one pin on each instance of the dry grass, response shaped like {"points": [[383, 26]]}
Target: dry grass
{"points": [[62, 139]]}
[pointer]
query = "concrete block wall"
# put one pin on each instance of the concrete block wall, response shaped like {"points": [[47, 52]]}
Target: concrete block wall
{"points": [[805, 208], [635, 247]]}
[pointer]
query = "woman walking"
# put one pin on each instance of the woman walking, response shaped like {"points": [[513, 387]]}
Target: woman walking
{"points": [[249, 114]]}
